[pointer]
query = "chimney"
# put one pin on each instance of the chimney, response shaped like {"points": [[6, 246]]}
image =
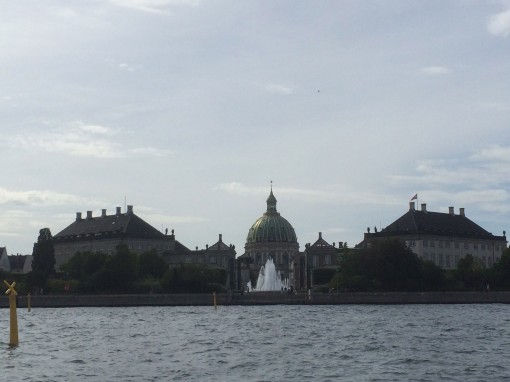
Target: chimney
{"points": [[103, 212], [129, 209], [220, 238], [424, 207], [320, 235], [450, 211], [411, 206], [78, 216], [461, 212], [89, 214], [118, 211]]}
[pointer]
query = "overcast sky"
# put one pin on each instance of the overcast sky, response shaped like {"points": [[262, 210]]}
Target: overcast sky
{"points": [[187, 109]]}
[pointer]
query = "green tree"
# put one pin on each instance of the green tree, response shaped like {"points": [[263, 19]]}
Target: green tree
{"points": [[433, 277], [119, 271], [471, 273], [386, 265], [43, 262], [150, 264], [84, 265], [194, 278], [501, 271]]}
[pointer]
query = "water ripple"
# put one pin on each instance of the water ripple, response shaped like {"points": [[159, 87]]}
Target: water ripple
{"points": [[264, 343]]}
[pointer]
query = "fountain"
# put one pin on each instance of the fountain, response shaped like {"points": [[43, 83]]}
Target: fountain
{"points": [[269, 279]]}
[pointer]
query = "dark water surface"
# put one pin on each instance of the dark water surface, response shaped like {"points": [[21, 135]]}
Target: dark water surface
{"points": [[260, 343]]}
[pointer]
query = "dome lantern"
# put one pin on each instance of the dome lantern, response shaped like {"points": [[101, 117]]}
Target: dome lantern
{"points": [[271, 203]]}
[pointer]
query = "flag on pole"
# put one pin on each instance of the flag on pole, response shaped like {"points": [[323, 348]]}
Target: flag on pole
{"points": [[414, 197]]}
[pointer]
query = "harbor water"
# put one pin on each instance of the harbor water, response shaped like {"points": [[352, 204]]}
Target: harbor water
{"points": [[260, 343]]}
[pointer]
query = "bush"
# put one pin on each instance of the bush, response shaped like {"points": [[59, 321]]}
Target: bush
{"points": [[323, 275], [59, 286], [192, 278], [148, 285]]}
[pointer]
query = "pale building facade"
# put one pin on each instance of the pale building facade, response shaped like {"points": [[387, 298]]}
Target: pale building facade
{"points": [[443, 238]]}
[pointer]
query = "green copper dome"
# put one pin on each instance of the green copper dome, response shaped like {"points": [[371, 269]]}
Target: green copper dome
{"points": [[271, 227]]}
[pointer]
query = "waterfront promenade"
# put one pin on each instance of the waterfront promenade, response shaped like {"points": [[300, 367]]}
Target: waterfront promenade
{"points": [[262, 298]]}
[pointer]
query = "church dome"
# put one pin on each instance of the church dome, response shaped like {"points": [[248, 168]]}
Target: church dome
{"points": [[271, 227]]}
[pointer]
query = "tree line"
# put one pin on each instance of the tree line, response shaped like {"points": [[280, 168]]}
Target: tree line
{"points": [[121, 272], [385, 266], [390, 266]]}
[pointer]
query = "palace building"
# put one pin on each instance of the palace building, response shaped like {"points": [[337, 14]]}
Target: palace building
{"points": [[105, 232], [443, 238]]}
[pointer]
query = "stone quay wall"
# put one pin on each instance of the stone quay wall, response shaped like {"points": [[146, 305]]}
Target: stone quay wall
{"points": [[260, 298]]}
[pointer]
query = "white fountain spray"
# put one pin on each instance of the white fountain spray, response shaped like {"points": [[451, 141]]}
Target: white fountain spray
{"points": [[269, 279]]}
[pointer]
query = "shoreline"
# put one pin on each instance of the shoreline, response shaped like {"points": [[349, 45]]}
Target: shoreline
{"points": [[261, 298]]}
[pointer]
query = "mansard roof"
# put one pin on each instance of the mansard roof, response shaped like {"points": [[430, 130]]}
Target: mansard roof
{"points": [[425, 222], [118, 225]]}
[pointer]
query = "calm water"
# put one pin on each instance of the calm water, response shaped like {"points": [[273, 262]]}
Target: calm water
{"points": [[268, 343]]}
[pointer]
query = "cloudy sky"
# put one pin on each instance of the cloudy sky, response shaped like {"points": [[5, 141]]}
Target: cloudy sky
{"points": [[187, 109]]}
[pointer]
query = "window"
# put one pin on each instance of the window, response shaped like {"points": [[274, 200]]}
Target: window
{"points": [[432, 243], [327, 260], [425, 243], [448, 261], [315, 261], [440, 244], [466, 245], [475, 246], [441, 260], [447, 244], [212, 259]]}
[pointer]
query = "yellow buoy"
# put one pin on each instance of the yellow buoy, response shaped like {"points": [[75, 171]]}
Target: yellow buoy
{"points": [[13, 341]]}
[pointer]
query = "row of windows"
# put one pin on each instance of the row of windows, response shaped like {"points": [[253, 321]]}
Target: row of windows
{"points": [[111, 248], [458, 245], [316, 260], [219, 260], [448, 261], [279, 259]]}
